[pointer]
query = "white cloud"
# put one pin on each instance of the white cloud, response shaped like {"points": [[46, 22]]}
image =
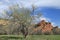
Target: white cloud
{"points": [[2, 13], [37, 20], [53, 24], [45, 18], [42, 3], [7, 1], [49, 3], [1, 3]]}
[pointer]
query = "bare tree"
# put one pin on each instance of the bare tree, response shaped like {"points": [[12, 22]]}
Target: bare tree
{"points": [[22, 16]]}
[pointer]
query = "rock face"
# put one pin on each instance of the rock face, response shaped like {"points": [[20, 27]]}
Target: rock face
{"points": [[3, 22], [44, 27]]}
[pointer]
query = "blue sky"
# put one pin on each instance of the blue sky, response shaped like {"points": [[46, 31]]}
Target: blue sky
{"points": [[49, 8], [51, 15]]}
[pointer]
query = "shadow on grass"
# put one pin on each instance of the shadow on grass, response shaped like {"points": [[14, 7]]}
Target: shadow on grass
{"points": [[6, 37]]}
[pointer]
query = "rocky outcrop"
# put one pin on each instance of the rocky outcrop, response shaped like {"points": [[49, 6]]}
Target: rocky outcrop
{"points": [[3, 22], [43, 26]]}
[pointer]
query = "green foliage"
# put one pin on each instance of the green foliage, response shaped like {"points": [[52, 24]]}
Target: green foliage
{"points": [[56, 31]]}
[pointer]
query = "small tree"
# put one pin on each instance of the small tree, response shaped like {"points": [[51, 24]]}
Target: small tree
{"points": [[22, 16]]}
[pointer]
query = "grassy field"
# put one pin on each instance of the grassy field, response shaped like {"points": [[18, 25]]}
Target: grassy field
{"points": [[30, 37]]}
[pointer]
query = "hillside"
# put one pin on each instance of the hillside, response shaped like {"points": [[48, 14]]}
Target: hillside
{"points": [[45, 27], [3, 22]]}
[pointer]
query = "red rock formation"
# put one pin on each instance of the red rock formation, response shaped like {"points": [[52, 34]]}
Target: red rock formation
{"points": [[44, 26]]}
